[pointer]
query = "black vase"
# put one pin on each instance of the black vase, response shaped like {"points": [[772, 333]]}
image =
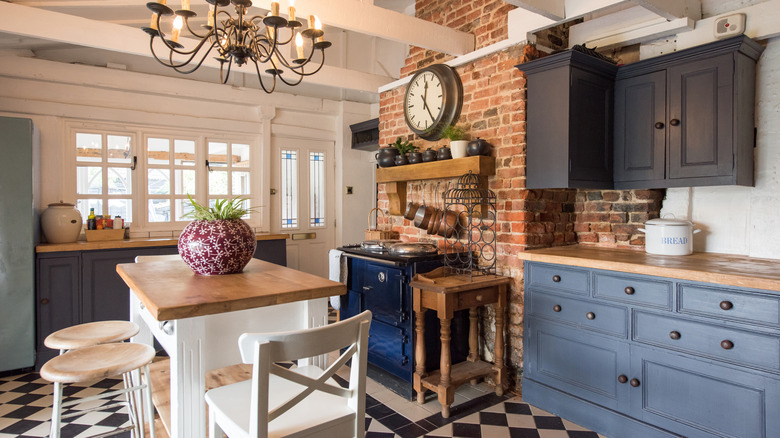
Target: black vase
{"points": [[478, 147], [386, 156], [415, 157], [401, 160], [429, 155]]}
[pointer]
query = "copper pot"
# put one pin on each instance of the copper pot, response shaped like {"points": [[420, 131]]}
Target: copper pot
{"points": [[423, 215], [436, 212], [411, 208]]}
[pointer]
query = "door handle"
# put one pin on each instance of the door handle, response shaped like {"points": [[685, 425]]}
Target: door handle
{"points": [[304, 236]]}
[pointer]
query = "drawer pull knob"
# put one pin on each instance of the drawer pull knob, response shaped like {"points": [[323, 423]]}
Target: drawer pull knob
{"points": [[590, 315], [727, 345], [659, 125], [557, 308], [479, 297], [674, 122], [674, 335], [45, 301], [629, 290], [726, 305], [557, 278], [634, 382], [622, 378]]}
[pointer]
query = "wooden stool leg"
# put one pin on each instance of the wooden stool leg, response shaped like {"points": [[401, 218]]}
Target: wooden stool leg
{"points": [[56, 411], [499, 342], [148, 403], [419, 354], [446, 394]]}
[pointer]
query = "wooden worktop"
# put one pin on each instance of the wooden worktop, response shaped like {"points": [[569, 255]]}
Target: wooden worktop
{"points": [[82, 245], [170, 290], [732, 270]]}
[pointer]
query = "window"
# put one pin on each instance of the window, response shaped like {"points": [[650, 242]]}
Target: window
{"points": [[149, 184], [289, 189]]}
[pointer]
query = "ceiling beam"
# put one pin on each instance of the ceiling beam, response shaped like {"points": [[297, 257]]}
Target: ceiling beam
{"points": [[70, 29], [353, 15], [625, 27], [554, 10], [673, 9]]}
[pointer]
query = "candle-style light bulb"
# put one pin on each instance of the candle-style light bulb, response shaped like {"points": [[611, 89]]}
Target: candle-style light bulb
{"points": [[153, 23], [275, 9], [317, 23], [212, 10], [299, 45], [311, 21], [291, 11], [178, 23], [185, 5]]}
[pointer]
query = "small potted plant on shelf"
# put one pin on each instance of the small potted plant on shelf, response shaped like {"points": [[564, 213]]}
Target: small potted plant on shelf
{"points": [[404, 148], [218, 241], [458, 142]]}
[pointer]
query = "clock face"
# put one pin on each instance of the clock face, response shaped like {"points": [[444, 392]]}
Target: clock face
{"points": [[425, 101], [433, 100]]}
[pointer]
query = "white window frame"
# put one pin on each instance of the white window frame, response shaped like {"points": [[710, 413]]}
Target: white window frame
{"points": [[140, 199]]}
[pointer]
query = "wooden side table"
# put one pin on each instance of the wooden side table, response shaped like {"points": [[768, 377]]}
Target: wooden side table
{"points": [[446, 295]]}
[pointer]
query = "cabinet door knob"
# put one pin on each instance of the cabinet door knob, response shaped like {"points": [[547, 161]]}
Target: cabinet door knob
{"points": [[622, 378], [727, 345], [726, 305], [590, 315], [674, 122], [629, 290], [659, 125], [557, 308], [634, 382], [45, 301], [674, 335], [557, 278]]}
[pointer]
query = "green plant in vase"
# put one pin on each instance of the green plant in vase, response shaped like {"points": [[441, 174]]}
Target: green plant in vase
{"points": [[404, 148], [457, 136]]}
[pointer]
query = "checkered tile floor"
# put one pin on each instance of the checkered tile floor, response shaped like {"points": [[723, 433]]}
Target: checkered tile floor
{"points": [[25, 411]]}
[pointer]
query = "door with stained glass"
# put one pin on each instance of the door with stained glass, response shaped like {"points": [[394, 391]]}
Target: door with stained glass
{"points": [[303, 197]]}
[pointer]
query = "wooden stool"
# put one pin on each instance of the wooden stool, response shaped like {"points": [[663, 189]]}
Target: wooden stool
{"points": [[98, 362], [91, 333]]}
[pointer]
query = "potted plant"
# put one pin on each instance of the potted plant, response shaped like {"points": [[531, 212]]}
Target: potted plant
{"points": [[218, 241], [458, 141], [404, 147]]}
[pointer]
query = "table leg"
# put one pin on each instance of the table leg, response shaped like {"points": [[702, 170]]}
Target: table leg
{"points": [[473, 335], [419, 354], [188, 381], [499, 341], [446, 392], [144, 335], [315, 314]]}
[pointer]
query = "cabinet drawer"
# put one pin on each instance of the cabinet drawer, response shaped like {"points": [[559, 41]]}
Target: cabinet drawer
{"points": [[477, 298], [729, 304], [632, 290], [557, 277], [729, 344], [598, 317]]}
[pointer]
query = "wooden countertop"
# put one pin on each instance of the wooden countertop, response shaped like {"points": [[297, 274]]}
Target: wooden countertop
{"points": [[170, 290], [83, 245], [732, 270]]}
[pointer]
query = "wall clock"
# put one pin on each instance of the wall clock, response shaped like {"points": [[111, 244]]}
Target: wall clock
{"points": [[433, 100]]}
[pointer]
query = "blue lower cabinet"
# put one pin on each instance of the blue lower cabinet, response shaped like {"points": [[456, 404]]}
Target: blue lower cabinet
{"points": [[661, 367]]}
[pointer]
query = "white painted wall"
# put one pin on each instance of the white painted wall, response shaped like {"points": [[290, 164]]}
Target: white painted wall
{"points": [[742, 220], [51, 93]]}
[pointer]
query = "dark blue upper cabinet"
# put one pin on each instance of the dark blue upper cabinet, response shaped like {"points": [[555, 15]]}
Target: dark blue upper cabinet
{"points": [[686, 119]]}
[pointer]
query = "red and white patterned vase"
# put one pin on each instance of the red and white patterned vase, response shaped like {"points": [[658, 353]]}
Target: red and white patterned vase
{"points": [[217, 247]]}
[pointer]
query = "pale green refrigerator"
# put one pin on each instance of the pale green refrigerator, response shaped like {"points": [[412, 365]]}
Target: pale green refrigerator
{"points": [[19, 230]]}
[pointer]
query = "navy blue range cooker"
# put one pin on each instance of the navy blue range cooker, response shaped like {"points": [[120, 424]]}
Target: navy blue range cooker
{"points": [[379, 282]]}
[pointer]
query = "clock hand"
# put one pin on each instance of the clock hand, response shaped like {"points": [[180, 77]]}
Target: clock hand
{"points": [[425, 102]]}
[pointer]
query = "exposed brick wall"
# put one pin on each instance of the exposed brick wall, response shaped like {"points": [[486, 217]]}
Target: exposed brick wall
{"points": [[494, 109]]}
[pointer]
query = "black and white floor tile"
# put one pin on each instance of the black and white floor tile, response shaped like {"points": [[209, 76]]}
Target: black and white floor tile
{"points": [[25, 411]]}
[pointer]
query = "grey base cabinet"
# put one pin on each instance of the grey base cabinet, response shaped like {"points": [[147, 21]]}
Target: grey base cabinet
{"points": [[77, 287], [640, 356]]}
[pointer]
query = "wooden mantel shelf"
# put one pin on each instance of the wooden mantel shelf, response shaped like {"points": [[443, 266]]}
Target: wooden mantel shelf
{"points": [[395, 178]]}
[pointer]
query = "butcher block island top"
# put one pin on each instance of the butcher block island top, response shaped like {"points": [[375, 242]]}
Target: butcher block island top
{"points": [[726, 269], [170, 290]]}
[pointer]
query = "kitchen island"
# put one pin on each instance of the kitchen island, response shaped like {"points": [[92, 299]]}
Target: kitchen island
{"points": [[198, 319], [633, 344]]}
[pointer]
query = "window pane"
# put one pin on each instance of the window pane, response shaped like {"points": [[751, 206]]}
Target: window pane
{"points": [[184, 152], [240, 183], [317, 189], [89, 180], [240, 155], [119, 180], [159, 182], [185, 182], [158, 151], [218, 183], [183, 206], [89, 147], [159, 210], [85, 204], [121, 207], [218, 155], [289, 189], [119, 149]]}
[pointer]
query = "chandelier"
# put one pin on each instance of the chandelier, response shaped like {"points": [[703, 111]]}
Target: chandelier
{"points": [[239, 39]]}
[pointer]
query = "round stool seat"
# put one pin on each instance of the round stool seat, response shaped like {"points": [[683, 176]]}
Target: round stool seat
{"points": [[91, 333], [97, 362]]}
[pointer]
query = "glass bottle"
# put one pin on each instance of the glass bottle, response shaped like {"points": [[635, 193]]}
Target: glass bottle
{"points": [[91, 222]]}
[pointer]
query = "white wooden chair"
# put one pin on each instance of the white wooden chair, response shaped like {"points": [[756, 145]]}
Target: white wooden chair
{"points": [[301, 401]]}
